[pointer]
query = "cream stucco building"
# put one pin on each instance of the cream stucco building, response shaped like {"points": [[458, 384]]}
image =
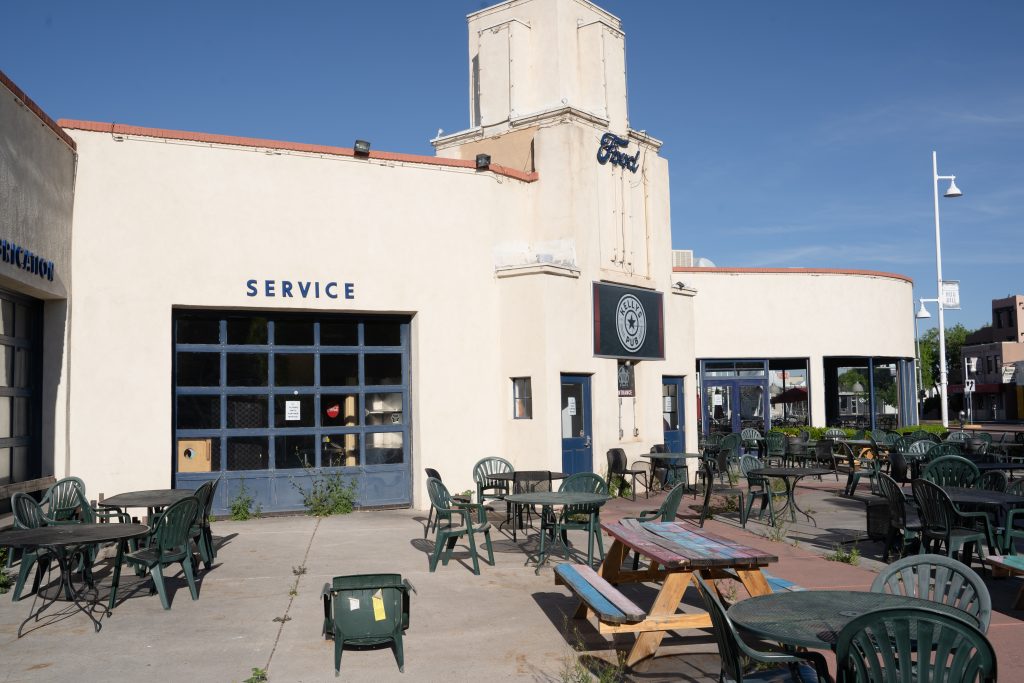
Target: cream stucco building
{"points": [[262, 310]]}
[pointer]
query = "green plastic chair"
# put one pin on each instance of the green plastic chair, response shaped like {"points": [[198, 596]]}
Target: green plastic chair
{"points": [[913, 644], [666, 512], [449, 532], [939, 579], [578, 517], [366, 611], [776, 447], [992, 480], [958, 436], [749, 437], [169, 544], [200, 531], [835, 433], [951, 470], [984, 436], [943, 525], [939, 450], [1010, 531], [759, 488], [729, 452], [61, 500], [736, 655], [860, 468], [486, 488], [28, 514], [904, 522]]}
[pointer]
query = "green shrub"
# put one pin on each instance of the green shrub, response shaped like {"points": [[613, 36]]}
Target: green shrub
{"points": [[257, 676], [840, 554], [328, 494], [241, 506], [619, 486]]}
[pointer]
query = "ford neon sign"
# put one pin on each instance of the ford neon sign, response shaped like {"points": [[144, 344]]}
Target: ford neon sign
{"points": [[609, 152]]}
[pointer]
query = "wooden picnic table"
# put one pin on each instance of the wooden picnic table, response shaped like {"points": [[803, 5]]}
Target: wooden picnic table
{"points": [[675, 553]]}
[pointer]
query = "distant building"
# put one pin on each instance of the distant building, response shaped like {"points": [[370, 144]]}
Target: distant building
{"points": [[999, 348]]}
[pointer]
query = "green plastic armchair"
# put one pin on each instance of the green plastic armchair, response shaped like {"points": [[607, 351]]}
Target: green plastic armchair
{"points": [[201, 532], [487, 488], [951, 470], [366, 611], [904, 522], [737, 655], [1010, 530], [170, 543], [943, 525], [913, 644], [775, 443], [29, 515], [759, 488], [61, 500], [578, 517], [939, 579], [449, 531]]}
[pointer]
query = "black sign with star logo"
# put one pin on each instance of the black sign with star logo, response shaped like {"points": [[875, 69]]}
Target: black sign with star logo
{"points": [[628, 323]]}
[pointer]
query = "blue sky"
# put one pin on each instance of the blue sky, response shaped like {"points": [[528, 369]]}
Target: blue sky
{"points": [[799, 133]]}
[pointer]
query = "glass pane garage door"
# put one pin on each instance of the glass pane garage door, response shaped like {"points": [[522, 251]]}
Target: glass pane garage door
{"points": [[271, 400]]}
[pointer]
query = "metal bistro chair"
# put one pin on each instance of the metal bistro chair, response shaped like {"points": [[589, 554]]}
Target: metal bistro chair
{"points": [[913, 644], [618, 466], [939, 579], [525, 481]]}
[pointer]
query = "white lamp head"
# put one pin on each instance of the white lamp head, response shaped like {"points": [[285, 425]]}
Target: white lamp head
{"points": [[953, 190], [923, 313]]}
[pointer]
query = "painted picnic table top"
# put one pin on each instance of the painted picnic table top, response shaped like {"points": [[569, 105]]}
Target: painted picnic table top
{"points": [[675, 546]]}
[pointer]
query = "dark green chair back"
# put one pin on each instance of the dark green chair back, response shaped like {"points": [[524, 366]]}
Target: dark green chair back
{"points": [[913, 644], [485, 486], [951, 470], [835, 433], [735, 653], [1016, 487], [366, 611], [993, 480], [937, 512], [730, 444], [984, 436], [776, 442], [28, 514], [919, 447], [749, 433], [939, 579], [940, 449], [63, 498], [958, 436], [748, 463], [171, 531], [670, 506], [204, 494]]}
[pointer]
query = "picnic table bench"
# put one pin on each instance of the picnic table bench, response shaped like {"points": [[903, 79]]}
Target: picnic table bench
{"points": [[674, 553]]}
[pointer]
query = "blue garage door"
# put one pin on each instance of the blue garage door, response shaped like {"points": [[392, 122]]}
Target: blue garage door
{"points": [[270, 401]]}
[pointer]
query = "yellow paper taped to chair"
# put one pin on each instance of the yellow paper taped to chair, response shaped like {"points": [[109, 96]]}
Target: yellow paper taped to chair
{"points": [[378, 606]]}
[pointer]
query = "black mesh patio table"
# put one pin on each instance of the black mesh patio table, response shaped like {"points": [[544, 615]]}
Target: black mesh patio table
{"points": [[813, 619], [548, 499], [999, 502], [153, 500], [524, 481], [63, 541], [791, 475], [669, 461]]}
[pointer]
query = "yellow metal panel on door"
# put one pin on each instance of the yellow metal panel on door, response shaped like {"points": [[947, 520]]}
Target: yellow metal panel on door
{"points": [[194, 455]]}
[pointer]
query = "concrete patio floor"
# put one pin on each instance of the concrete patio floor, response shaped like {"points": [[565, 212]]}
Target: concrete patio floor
{"points": [[506, 624]]}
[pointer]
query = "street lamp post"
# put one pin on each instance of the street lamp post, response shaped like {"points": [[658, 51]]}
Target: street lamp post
{"points": [[953, 191]]}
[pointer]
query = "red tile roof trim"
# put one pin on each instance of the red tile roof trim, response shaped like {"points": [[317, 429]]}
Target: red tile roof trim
{"points": [[122, 129], [812, 271], [35, 109]]}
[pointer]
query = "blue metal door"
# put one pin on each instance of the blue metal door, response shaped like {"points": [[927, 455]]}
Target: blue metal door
{"points": [[577, 442], [672, 414], [731, 405]]}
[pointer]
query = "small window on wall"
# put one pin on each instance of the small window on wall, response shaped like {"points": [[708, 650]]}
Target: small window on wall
{"points": [[522, 398]]}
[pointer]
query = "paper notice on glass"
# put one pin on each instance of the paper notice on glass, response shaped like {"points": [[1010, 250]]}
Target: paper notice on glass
{"points": [[716, 400], [292, 410], [667, 408], [572, 405]]}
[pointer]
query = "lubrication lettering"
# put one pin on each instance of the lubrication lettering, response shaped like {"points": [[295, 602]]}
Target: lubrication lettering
{"points": [[26, 260]]}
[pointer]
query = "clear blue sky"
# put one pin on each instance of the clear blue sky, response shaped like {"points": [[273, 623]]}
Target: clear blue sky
{"points": [[799, 133]]}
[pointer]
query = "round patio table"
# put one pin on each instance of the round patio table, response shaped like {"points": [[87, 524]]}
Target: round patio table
{"points": [[547, 500], [791, 475], [62, 540], [998, 501], [529, 478], [813, 619], [673, 467], [153, 500]]}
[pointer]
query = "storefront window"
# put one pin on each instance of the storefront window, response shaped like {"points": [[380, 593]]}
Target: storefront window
{"points": [[868, 393], [887, 399], [788, 387]]}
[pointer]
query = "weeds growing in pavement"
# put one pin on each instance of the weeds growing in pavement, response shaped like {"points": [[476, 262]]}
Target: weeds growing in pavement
{"points": [[257, 676], [580, 668], [328, 494], [777, 533], [241, 506], [840, 554]]}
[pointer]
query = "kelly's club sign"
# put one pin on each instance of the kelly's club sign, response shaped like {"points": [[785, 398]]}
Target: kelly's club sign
{"points": [[628, 323]]}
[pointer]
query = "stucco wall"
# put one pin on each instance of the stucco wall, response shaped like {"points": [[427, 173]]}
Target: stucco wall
{"points": [[37, 178], [800, 314]]}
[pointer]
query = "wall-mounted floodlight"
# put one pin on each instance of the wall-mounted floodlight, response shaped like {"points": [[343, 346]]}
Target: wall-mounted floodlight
{"points": [[361, 148]]}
